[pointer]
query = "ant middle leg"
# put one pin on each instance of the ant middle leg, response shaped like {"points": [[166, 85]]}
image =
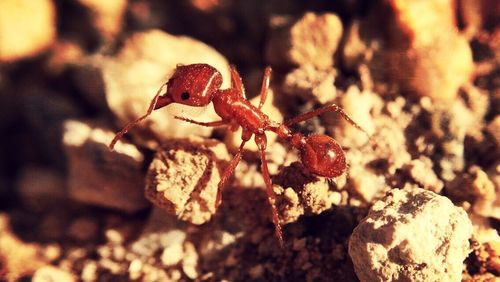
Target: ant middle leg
{"points": [[207, 124], [230, 168], [261, 141]]}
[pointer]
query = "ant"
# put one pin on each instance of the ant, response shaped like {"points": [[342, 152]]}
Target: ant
{"points": [[199, 84]]}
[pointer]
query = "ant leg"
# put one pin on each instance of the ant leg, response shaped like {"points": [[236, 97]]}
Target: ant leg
{"points": [[236, 81], [265, 86], [228, 172], [317, 112], [129, 125], [261, 141], [208, 124]]}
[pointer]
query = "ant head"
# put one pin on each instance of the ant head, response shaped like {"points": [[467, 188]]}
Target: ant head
{"points": [[192, 85]]}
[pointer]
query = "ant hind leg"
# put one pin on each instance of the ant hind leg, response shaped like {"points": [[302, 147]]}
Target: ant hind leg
{"points": [[236, 81], [265, 86], [261, 141], [317, 112]]}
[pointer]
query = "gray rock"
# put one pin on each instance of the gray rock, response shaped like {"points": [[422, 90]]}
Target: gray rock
{"points": [[99, 176]]}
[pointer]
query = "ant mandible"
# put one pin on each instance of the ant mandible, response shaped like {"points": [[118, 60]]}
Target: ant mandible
{"points": [[199, 84]]}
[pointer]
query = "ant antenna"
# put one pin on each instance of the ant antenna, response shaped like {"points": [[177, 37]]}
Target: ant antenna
{"points": [[129, 125]]}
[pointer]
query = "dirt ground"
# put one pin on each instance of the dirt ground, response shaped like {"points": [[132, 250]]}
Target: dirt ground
{"points": [[421, 78]]}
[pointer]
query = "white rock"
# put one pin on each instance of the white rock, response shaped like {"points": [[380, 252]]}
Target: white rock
{"points": [[142, 66], [411, 235]]}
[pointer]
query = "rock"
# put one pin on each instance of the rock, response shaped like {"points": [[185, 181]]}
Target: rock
{"points": [[161, 244], [172, 255], [475, 187], [436, 60], [365, 183], [299, 193], [107, 16], [142, 66], [160, 222], [423, 53], [362, 41], [50, 273], [41, 188], [64, 53], [14, 253], [450, 123], [487, 196], [53, 225], [155, 242], [89, 272], [310, 83], [45, 112], [183, 178], [312, 39], [494, 176], [476, 14], [27, 28], [484, 229], [89, 80], [215, 242], [204, 5], [421, 171], [358, 105], [411, 235], [135, 269], [248, 175], [83, 229], [390, 144], [493, 129], [99, 176], [190, 261], [493, 249]]}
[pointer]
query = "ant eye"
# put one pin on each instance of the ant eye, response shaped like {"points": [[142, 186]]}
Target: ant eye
{"points": [[185, 95]]}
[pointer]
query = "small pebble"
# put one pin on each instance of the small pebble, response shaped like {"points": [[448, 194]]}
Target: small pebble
{"points": [[51, 273], [183, 178], [172, 255], [311, 39]]}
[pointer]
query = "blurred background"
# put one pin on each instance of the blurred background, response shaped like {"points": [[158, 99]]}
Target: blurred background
{"points": [[71, 68]]}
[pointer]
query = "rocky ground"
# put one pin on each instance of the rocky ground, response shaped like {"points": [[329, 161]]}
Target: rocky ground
{"points": [[420, 200]]}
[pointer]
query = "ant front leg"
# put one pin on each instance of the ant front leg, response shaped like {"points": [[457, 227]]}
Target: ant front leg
{"points": [[152, 107], [207, 124], [261, 141]]}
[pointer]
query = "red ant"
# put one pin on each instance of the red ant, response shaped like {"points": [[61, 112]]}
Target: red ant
{"points": [[199, 84]]}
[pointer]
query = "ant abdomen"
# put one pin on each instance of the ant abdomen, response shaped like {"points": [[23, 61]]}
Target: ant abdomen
{"points": [[323, 156]]}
